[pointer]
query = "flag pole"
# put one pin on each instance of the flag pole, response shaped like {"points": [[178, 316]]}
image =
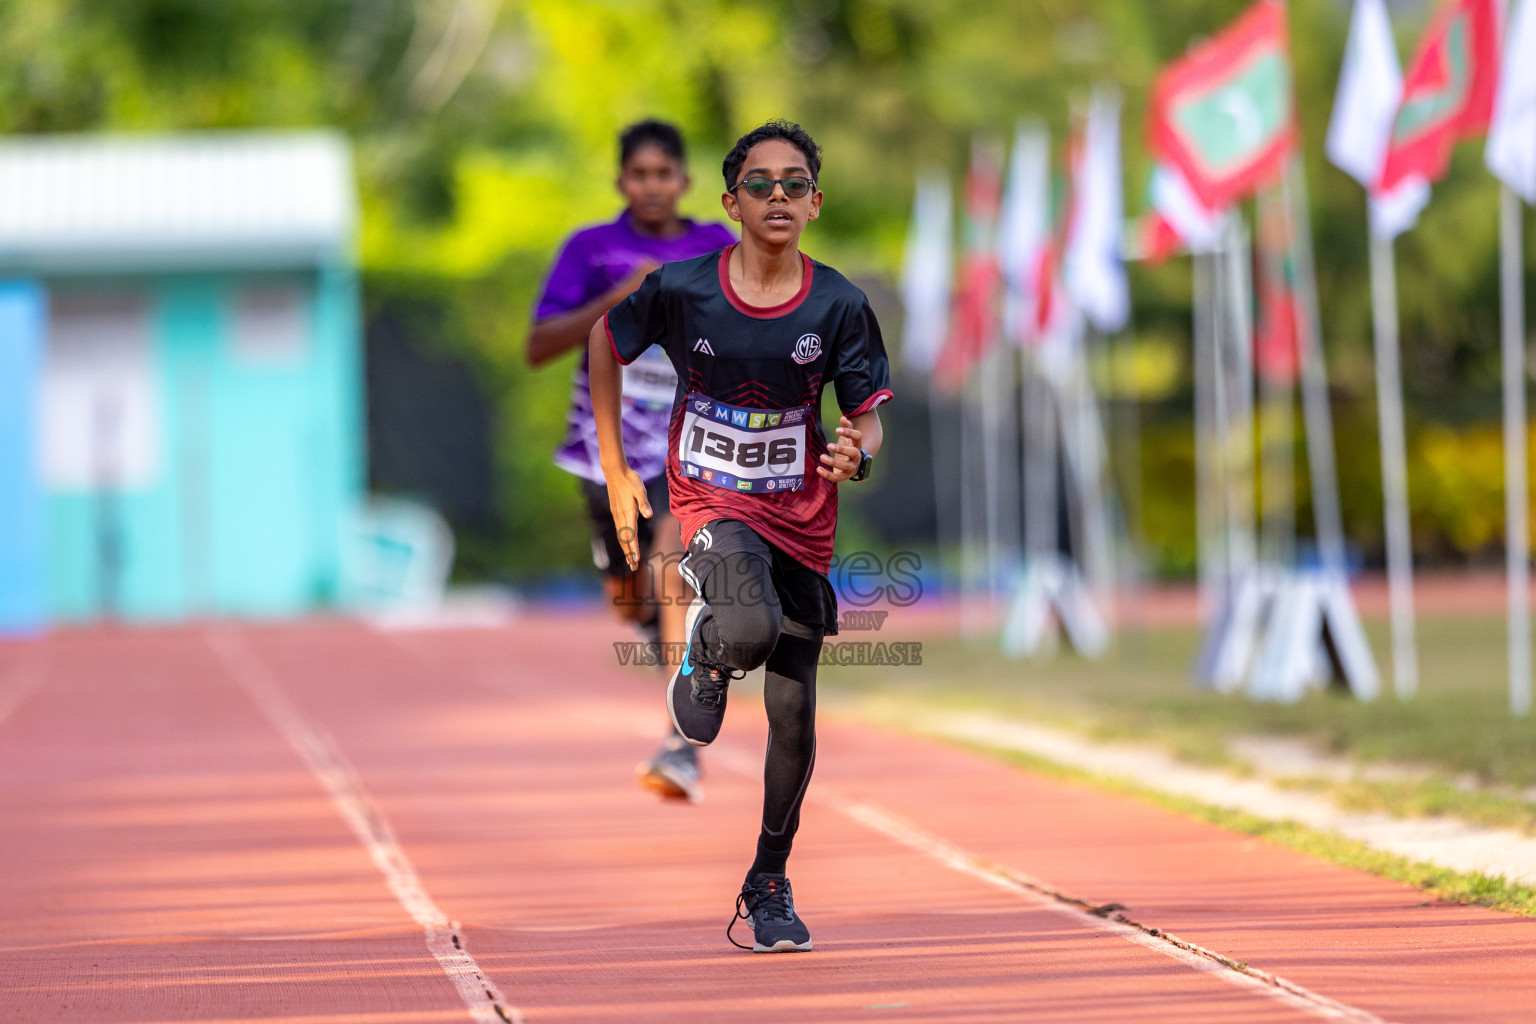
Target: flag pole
{"points": [[970, 451], [1222, 327], [1240, 378], [1394, 465], [1100, 535], [1277, 399], [1517, 544], [1207, 480], [943, 457], [1127, 431], [991, 489], [1004, 465], [1327, 519]]}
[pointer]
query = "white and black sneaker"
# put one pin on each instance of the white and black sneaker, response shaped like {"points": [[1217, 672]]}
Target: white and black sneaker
{"points": [[672, 772], [696, 694], [767, 904]]}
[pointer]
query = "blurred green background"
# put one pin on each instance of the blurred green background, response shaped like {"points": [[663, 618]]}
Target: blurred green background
{"points": [[485, 133]]}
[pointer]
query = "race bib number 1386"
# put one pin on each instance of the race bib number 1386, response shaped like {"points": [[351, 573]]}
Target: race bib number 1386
{"points": [[751, 450]]}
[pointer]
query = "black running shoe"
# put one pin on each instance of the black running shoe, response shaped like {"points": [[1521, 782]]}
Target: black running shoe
{"points": [[768, 906], [696, 694], [673, 771]]}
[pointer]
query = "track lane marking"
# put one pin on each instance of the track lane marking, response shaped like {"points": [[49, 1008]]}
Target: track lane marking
{"points": [[336, 775], [1047, 897]]}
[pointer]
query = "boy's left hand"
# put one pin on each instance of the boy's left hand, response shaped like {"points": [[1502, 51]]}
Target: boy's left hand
{"points": [[843, 456]]}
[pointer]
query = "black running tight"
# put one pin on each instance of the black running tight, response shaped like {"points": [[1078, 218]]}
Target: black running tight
{"points": [[748, 630]]}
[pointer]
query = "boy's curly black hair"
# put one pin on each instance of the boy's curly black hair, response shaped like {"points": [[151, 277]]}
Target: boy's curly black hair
{"points": [[776, 129]]}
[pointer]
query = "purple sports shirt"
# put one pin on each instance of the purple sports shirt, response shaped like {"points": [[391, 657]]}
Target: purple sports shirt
{"points": [[592, 261]]}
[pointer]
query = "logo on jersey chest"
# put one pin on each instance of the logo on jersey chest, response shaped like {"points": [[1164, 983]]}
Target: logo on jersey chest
{"points": [[807, 348]]}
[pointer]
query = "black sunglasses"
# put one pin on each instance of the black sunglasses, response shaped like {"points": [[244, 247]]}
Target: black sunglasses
{"points": [[761, 187]]}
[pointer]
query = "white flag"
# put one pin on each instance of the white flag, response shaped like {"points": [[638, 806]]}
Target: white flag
{"points": [[1024, 232], [1397, 210], [1093, 268], [1370, 86], [1511, 153], [927, 273], [1364, 110], [1175, 199]]}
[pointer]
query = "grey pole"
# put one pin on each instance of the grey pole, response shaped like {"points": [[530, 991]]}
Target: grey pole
{"points": [[992, 485], [1394, 466], [945, 445], [1276, 428], [1207, 480], [1328, 521], [970, 453], [1238, 363], [1221, 417], [1517, 554]]}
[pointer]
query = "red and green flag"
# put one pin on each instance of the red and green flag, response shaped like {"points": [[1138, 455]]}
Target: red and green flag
{"points": [[1277, 331], [1224, 113], [1448, 93], [1156, 238], [975, 324]]}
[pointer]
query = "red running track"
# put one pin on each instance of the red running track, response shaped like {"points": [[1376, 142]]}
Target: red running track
{"points": [[320, 823]]}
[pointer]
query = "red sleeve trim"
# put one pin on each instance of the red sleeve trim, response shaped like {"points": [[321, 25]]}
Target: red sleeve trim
{"points": [[763, 312], [878, 398], [612, 346]]}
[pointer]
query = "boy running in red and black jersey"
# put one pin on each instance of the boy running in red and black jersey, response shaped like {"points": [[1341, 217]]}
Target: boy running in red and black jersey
{"points": [[755, 332]]}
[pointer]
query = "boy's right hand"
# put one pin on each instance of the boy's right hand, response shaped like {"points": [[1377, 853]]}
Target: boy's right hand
{"points": [[627, 501]]}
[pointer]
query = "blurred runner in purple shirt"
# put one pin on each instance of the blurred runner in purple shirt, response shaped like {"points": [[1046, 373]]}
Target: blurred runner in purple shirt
{"points": [[597, 267]]}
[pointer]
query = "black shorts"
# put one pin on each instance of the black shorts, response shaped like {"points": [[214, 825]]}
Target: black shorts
{"points": [[607, 555], [805, 595]]}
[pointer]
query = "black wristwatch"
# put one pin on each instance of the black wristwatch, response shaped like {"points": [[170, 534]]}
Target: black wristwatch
{"points": [[866, 462]]}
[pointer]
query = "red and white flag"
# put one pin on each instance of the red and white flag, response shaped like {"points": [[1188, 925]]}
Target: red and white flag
{"points": [[1024, 233]]}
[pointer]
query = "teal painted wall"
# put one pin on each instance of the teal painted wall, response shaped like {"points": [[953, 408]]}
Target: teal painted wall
{"points": [[260, 461]]}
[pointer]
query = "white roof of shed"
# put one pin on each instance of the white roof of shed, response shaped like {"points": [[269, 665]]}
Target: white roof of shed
{"points": [[86, 203]]}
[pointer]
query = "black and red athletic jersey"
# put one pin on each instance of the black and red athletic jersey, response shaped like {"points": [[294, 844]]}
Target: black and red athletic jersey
{"points": [[731, 357]]}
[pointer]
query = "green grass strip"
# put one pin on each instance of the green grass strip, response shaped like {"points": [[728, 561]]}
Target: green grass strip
{"points": [[1468, 888]]}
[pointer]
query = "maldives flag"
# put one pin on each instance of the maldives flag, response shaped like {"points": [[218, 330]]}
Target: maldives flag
{"points": [[1224, 114], [1277, 333], [1155, 238], [1175, 219], [975, 323], [1448, 94]]}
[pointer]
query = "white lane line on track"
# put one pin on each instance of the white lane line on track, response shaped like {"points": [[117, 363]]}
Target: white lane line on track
{"points": [[1047, 897], [444, 941]]}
